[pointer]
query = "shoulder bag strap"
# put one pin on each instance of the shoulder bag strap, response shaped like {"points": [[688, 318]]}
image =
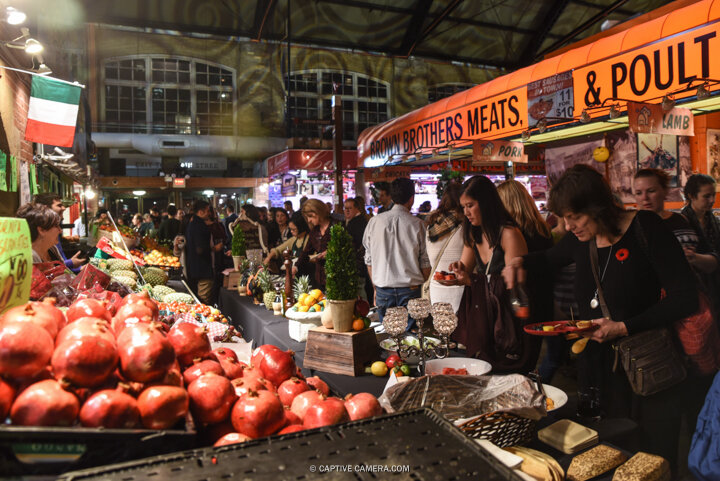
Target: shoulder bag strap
{"points": [[594, 265]]}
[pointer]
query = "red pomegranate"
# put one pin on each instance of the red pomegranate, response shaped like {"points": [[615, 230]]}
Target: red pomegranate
{"points": [[291, 417], [86, 326], [233, 368], [201, 367], [44, 314], [292, 428], [303, 401], [224, 353], [25, 349], [291, 388], [132, 314], [278, 366], [172, 378], [258, 414], [87, 307], [243, 385], [161, 407], [259, 353], [85, 362], [45, 403], [142, 298], [211, 398], [110, 408], [145, 353], [318, 384], [190, 342], [7, 396], [231, 438], [326, 413], [362, 405], [252, 372]]}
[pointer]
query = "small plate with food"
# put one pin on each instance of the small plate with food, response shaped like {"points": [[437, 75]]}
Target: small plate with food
{"points": [[557, 328], [554, 398], [458, 366], [445, 278]]}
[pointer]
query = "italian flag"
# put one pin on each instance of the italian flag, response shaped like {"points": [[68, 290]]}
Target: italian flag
{"points": [[52, 113]]}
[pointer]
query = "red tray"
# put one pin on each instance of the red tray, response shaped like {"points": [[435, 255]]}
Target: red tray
{"points": [[562, 327]]}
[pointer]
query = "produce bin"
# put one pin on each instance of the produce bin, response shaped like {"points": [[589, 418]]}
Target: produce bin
{"points": [[418, 444], [46, 450]]}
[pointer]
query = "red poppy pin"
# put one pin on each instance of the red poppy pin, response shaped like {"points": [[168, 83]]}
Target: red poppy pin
{"points": [[622, 254]]}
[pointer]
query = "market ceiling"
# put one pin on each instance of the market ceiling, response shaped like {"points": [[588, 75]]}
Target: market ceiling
{"points": [[507, 34]]}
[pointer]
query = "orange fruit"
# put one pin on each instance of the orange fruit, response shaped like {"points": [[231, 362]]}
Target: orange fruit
{"points": [[309, 301], [317, 294], [358, 325], [303, 308], [301, 299]]}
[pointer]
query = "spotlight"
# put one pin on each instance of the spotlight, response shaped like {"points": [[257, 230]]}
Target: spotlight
{"points": [[585, 117], [667, 104], [138, 193], [526, 135], [14, 16], [89, 193], [32, 46], [614, 111], [208, 193], [542, 126], [703, 92]]}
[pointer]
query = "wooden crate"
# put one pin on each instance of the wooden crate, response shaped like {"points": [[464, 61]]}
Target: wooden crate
{"points": [[340, 352], [230, 281]]}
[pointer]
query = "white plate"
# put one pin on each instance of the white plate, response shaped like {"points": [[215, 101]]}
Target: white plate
{"points": [[475, 367], [558, 396]]}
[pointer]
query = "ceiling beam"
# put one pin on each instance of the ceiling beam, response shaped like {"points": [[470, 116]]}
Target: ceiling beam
{"points": [[446, 11], [585, 3], [415, 25], [135, 183], [585, 26], [544, 25], [263, 10]]}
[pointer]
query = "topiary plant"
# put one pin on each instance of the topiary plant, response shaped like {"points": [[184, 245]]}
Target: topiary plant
{"points": [[238, 242], [340, 268], [447, 176]]}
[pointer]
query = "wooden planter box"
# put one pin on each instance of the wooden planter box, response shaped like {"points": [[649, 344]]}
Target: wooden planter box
{"points": [[340, 352]]}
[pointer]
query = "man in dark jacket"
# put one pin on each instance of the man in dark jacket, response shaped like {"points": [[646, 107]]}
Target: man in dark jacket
{"points": [[170, 226], [198, 256]]}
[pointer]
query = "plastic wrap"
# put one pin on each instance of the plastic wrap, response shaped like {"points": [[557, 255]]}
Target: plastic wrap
{"points": [[89, 276], [461, 397]]}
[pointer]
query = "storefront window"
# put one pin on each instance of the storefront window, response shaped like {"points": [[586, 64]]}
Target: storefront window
{"points": [[437, 92], [366, 102], [168, 95]]}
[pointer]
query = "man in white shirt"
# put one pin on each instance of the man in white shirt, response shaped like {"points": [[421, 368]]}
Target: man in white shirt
{"points": [[395, 250]]}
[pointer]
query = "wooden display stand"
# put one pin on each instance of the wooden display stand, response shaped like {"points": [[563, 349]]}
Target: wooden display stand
{"points": [[340, 352], [230, 281]]}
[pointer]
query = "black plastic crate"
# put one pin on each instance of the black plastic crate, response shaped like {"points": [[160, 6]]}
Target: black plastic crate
{"points": [[46, 450], [423, 441]]}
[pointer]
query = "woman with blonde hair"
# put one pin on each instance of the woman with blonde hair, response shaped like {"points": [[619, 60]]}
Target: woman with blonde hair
{"points": [[317, 215], [522, 208]]}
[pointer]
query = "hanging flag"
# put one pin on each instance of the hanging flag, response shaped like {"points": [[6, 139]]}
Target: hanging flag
{"points": [[52, 113]]}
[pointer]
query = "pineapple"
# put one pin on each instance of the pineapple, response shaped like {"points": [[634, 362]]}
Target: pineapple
{"points": [[128, 281], [123, 273], [119, 265], [155, 276], [265, 283], [301, 286]]}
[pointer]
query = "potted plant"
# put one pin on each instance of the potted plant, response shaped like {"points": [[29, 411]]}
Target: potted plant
{"points": [[341, 278], [238, 247]]}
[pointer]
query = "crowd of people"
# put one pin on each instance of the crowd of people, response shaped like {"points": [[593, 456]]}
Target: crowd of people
{"points": [[484, 246]]}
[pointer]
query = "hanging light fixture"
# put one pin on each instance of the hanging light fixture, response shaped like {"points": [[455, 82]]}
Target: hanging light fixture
{"points": [[585, 117], [542, 126], [525, 135], [703, 92], [667, 104], [30, 45], [614, 111], [14, 16], [138, 193], [89, 193]]}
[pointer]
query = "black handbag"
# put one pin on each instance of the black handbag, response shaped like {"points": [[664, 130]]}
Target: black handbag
{"points": [[650, 359]]}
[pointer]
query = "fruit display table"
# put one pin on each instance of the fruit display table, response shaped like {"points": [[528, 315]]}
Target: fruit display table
{"points": [[262, 327]]}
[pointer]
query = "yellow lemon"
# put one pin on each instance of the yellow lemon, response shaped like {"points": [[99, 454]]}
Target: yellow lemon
{"points": [[317, 294], [379, 368], [303, 308], [309, 301], [324, 302], [301, 299]]}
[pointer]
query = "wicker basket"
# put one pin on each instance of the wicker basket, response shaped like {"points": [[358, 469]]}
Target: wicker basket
{"points": [[500, 428]]}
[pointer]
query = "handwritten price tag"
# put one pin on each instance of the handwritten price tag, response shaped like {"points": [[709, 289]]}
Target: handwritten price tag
{"points": [[15, 262]]}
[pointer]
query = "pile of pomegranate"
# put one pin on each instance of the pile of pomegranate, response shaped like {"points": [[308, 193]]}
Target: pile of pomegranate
{"points": [[124, 369]]}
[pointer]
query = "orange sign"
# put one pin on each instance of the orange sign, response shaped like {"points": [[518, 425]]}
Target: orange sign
{"points": [[486, 117], [179, 182], [498, 151], [651, 71], [650, 119]]}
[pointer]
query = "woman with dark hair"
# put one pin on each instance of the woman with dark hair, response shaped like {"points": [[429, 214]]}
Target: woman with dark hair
{"points": [[317, 216], [45, 228], [444, 243], [278, 231], [486, 324], [256, 235], [700, 197], [295, 244], [637, 258]]}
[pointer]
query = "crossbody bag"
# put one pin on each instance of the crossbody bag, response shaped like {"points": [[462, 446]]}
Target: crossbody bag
{"points": [[650, 358]]}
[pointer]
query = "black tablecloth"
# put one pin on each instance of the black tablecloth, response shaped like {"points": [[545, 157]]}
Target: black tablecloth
{"points": [[260, 326]]}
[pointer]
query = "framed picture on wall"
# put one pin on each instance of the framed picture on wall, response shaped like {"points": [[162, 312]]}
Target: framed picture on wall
{"points": [[713, 155], [657, 151]]}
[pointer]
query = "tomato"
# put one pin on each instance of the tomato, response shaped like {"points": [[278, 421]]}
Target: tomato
{"points": [[393, 360], [449, 277], [438, 276]]}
